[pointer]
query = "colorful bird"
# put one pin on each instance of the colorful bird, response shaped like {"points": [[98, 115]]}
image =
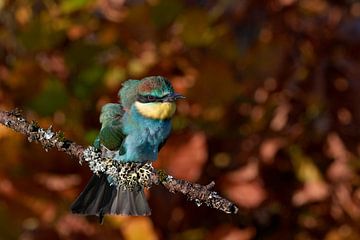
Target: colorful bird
{"points": [[136, 129]]}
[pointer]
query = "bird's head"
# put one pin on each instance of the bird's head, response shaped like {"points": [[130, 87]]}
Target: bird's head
{"points": [[156, 98]]}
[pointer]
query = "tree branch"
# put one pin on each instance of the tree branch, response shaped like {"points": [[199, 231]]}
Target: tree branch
{"points": [[50, 139]]}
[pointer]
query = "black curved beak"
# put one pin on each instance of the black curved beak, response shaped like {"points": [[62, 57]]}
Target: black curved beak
{"points": [[173, 97]]}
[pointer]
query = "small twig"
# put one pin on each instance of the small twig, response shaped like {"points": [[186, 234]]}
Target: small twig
{"points": [[200, 194], [210, 185], [50, 139]]}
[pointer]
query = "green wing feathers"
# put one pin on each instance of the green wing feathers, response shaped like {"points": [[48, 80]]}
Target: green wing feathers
{"points": [[111, 135]]}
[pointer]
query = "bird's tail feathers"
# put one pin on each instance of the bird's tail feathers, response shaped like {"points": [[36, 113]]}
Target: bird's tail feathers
{"points": [[100, 198]]}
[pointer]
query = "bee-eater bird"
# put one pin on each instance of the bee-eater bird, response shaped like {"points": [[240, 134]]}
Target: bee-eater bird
{"points": [[136, 128]]}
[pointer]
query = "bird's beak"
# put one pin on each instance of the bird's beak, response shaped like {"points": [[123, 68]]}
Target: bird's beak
{"points": [[173, 97]]}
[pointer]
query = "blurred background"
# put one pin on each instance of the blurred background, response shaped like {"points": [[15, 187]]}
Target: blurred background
{"points": [[272, 113]]}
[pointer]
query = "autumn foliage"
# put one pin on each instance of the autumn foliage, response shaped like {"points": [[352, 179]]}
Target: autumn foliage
{"points": [[272, 113]]}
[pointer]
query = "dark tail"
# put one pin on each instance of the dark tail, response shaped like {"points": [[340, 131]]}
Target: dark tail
{"points": [[100, 198]]}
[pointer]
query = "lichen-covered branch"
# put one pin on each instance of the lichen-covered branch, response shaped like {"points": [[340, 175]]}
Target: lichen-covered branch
{"points": [[47, 138], [100, 162], [200, 194]]}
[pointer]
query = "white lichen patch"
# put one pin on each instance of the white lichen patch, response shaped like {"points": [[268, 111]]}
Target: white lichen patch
{"points": [[129, 175]]}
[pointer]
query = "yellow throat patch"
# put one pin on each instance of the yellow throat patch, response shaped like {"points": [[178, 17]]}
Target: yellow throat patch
{"points": [[156, 110]]}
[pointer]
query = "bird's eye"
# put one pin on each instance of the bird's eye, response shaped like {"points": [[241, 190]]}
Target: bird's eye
{"points": [[151, 98]]}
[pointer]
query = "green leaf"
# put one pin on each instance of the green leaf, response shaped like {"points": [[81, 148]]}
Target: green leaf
{"points": [[52, 97], [304, 167], [68, 6], [164, 12], [82, 54], [196, 29], [91, 135], [41, 35], [88, 80]]}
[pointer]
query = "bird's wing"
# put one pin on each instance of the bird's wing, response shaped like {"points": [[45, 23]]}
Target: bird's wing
{"points": [[111, 135]]}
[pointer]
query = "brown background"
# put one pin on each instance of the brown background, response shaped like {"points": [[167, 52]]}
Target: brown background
{"points": [[272, 113]]}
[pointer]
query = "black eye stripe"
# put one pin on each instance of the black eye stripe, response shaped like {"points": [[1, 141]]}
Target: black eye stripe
{"points": [[149, 98]]}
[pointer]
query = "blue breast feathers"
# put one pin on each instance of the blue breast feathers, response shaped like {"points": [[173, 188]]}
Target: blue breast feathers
{"points": [[143, 137]]}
